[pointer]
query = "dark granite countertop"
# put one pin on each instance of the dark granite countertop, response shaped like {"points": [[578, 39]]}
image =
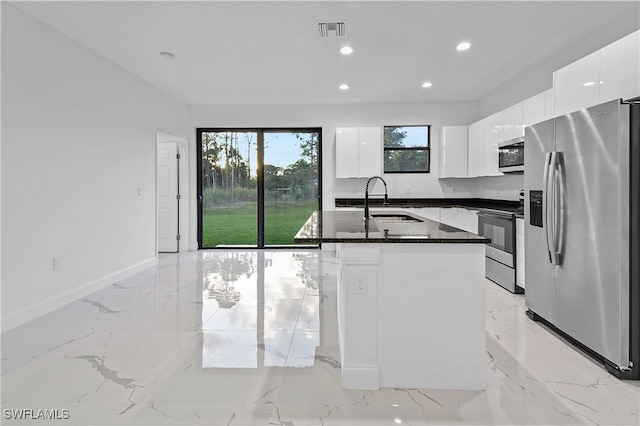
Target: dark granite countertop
{"points": [[469, 203], [349, 227], [465, 203]]}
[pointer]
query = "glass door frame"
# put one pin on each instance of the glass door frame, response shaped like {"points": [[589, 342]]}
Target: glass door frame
{"points": [[260, 131]]}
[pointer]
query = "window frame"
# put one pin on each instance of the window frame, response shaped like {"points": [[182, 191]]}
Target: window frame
{"points": [[426, 148]]}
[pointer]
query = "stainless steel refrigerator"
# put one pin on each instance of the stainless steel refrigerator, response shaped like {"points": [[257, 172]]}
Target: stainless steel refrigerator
{"points": [[582, 187]]}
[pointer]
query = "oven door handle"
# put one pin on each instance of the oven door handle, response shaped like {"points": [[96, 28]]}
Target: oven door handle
{"points": [[503, 216]]}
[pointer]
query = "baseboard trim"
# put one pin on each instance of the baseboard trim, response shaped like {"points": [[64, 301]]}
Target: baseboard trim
{"points": [[35, 310], [360, 377]]}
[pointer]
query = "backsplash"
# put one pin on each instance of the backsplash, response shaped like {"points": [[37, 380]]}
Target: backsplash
{"points": [[505, 187]]}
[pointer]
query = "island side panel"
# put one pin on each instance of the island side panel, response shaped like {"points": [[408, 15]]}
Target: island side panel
{"points": [[431, 308], [357, 315]]}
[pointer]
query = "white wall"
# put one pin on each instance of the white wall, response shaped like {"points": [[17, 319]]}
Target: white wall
{"points": [[78, 141]]}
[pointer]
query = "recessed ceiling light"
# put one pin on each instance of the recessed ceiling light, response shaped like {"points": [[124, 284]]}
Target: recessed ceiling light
{"points": [[167, 55], [344, 86], [463, 46], [427, 84], [589, 83], [346, 50]]}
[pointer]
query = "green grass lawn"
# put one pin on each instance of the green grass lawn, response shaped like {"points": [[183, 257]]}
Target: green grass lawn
{"points": [[238, 224]]}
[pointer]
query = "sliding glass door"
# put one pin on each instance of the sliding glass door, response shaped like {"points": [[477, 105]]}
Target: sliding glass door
{"points": [[229, 202], [256, 187], [290, 183]]}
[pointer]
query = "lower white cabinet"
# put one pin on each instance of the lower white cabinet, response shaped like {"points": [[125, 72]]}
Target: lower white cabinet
{"points": [[449, 216], [432, 213], [468, 220], [460, 218], [520, 252]]}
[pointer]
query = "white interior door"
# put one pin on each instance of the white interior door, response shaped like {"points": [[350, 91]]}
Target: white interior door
{"points": [[168, 197]]}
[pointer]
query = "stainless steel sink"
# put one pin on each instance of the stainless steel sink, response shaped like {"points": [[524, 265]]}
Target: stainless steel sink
{"points": [[381, 217]]}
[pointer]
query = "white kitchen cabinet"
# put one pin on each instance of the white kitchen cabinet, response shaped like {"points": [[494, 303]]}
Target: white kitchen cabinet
{"points": [[620, 69], [610, 73], [370, 151], [512, 126], [347, 152], [520, 252], [549, 104], [475, 149], [449, 216], [468, 220], [453, 152], [533, 110], [458, 217], [432, 213], [493, 135], [577, 85], [358, 152]]}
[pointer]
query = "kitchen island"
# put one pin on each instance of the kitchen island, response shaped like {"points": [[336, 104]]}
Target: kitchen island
{"points": [[410, 300]]}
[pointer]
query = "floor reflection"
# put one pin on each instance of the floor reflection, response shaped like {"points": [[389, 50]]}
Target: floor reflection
{"points": [[260, 309]]}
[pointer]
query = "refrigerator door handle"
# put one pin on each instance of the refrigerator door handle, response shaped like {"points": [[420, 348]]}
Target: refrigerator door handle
{"points": [[553, 208], [548, 158], [559, 207]]}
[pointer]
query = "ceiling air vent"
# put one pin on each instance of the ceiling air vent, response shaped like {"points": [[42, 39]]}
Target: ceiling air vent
{"points": [[332, 29]]}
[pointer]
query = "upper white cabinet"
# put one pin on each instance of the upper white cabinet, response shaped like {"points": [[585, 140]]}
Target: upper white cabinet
{"points": [[475, 149], [620, 69], [493, 135], [358, 152], [610, 73], [549, 104], [533, 110], [512, 126], [577, 85], [347, 152], [454, 152]]}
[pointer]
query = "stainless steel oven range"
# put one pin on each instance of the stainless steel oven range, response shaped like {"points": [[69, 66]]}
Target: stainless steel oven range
{"points": [[500, 227]]}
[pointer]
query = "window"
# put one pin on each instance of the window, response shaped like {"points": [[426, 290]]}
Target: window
{"points": [[406, 149]]}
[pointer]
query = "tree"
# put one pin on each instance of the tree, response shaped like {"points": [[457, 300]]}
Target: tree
{"points": [[394, 137], [210, 158], [309, 144]]}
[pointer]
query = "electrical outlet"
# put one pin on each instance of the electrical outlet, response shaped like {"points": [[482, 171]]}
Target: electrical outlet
{"points": [[360, 285], [57, 263]]}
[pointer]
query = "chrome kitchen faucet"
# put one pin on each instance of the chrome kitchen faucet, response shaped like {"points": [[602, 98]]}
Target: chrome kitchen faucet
{"points": [[366, 196]]}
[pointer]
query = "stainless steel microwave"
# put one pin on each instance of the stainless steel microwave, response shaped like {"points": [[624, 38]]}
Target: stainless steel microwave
{"points": [[511, 156]]}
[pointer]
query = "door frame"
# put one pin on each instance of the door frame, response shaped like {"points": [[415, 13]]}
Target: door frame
{"points": [[183, 206], [260, 178]]}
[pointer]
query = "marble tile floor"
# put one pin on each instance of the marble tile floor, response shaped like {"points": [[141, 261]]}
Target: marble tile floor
{"points": [[250, 338]]}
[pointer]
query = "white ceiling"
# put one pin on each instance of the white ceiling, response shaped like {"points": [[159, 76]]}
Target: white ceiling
{"points": [[267, 52]]}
